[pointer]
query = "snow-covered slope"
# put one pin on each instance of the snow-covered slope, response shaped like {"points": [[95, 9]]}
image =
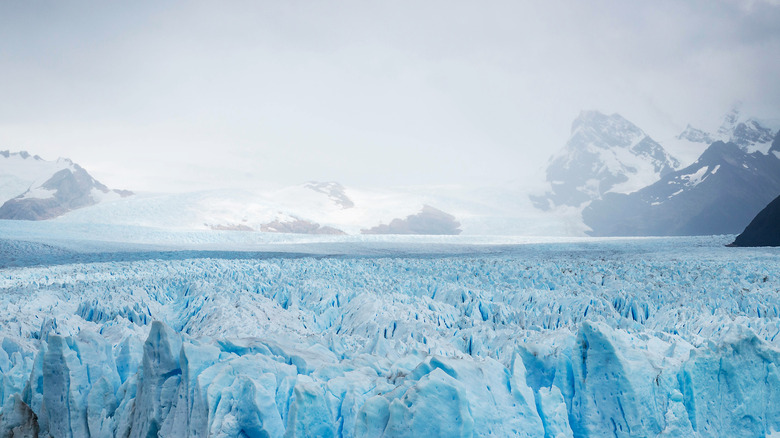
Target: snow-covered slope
{"points": [[479, 210], [604, 154], [653, 337], [346, 210], [32, 188]]}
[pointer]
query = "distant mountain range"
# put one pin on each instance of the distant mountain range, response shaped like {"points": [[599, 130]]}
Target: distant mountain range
{"points": [[609, 179], [718, 194], [33, 189], [736, 174]]}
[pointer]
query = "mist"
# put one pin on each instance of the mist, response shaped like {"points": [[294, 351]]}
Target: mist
{"points": [[181, 96]]}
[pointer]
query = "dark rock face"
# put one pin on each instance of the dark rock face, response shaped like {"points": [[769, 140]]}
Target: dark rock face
{"points": [[298, 226], [602, 152], [749, 133], [764, 229], [775, 148], [718, 194], [72, 189], [428, 221]]}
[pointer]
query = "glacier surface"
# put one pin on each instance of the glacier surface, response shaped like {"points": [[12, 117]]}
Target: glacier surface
{"points": [[643, 337]]}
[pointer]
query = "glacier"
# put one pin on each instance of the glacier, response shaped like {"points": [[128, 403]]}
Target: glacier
{"points": [[663, 337]]}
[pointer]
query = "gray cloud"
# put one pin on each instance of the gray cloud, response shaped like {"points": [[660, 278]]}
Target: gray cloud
{"points": [[194, 94]]}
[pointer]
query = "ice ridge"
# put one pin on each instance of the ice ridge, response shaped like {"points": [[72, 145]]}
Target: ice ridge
{"points": [[661, 337]]}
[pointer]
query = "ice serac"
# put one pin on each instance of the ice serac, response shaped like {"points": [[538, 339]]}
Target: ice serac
{"points": [[157, 383], [74, 371], [718, 194], [733, 389], [18, 419], [616, 384], [605, 153]]}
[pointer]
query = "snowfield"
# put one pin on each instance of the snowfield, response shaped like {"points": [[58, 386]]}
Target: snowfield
{"points": [[671, 337]]}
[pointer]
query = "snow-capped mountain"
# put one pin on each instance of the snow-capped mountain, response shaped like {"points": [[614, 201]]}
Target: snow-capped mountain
{"points": [[309, 208], [32, 188], [746, 132], [718, 194], [605, 153]]}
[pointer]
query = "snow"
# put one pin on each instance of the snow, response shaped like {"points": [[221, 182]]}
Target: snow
{"points": [[412, 336], [39, 193], [715, 169], [685, 150], [696, 178], [19, 172], [481, 211], [639, 169]]}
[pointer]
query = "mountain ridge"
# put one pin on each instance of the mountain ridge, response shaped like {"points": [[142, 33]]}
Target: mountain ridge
{"points": [[718, 194], [604, 153], [53, 188]]}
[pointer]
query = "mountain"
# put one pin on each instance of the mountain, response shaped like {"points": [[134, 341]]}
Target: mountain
{"points": [[309, 208], [604, 154], [764, 229], [718, 194], [34, 189], [335, 191], [429, 220], [746, 132]]}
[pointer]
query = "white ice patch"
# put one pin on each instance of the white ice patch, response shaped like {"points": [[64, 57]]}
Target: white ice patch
{"points": [[715, 169], [639, 169], [696, 178], [759, 147], [39, 193]]}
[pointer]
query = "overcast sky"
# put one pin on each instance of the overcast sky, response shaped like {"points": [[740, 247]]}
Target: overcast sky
{"points": [[171, 96]]}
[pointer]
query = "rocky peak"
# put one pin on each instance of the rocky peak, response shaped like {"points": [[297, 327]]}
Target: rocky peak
{"points": [[603, 130], [695, 135], [604, 153], [750, 133]]}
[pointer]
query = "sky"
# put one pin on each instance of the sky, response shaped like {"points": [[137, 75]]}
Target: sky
{"points": [[181, 96]]}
